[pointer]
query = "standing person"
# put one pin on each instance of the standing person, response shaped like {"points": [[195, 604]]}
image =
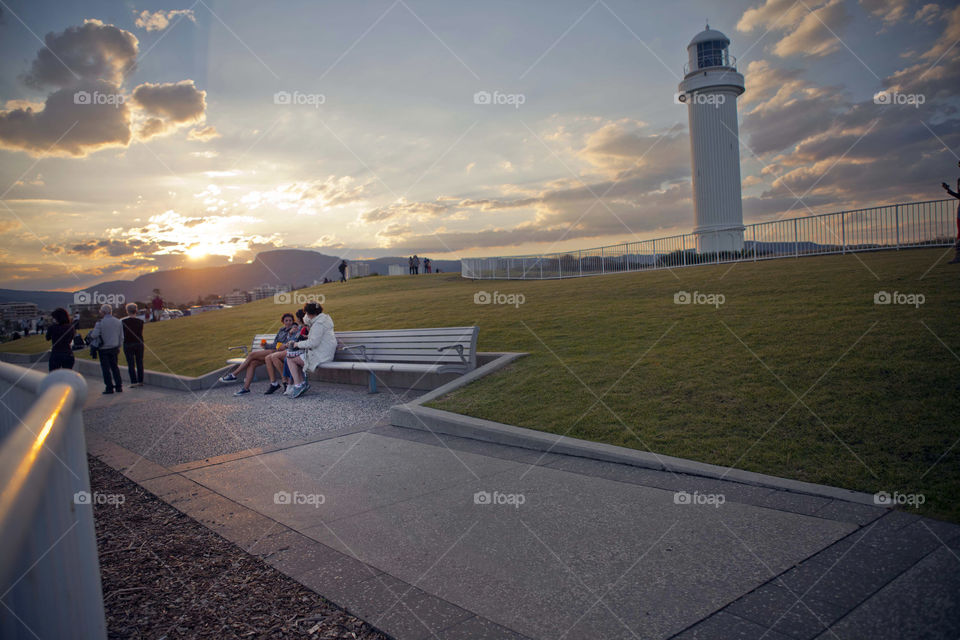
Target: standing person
{"points": [[319, 347], [61, 334], [110, 331], [343, 270], [955, 194], [157, 305], [426, 265], [410, 261], [416, 264], [133, 345]]}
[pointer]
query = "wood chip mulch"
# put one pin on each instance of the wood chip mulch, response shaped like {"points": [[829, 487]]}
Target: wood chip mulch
{"points": [[166, 576]]}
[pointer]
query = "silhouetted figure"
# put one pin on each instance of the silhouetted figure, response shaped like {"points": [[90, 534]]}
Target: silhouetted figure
{"points": [[410, 261], [426, 265], [955, 194], [343, 270], [416, 264], [156, 305], [61, 335]]}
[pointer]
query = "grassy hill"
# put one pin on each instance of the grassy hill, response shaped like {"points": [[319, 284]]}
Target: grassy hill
{"points": [[798, 373]]}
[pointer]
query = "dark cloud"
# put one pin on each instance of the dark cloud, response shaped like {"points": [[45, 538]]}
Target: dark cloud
{"points": [[92, 51], [111, 248], [89, 109], [72, 122], [177, 102], [169, 106]]}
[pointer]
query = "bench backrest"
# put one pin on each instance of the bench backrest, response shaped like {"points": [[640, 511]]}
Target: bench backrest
{"points": [[257, 339], [420, 346]]}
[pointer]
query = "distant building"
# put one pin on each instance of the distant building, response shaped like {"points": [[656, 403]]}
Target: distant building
{"points": [[358, 269], [398, 270], [267, 291], [16, 311], [236, 298]]}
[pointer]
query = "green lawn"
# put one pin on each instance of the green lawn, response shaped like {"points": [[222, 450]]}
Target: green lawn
{"points": [[798, 374]]}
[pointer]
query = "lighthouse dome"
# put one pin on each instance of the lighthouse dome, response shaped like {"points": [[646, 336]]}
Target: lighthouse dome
{"points": [[709, 35]]}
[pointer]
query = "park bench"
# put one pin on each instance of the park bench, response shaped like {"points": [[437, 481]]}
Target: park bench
{"points": [[413, 351]]}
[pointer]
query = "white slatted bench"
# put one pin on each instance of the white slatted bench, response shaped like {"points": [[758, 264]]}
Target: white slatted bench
{"points": [[416, 351]]}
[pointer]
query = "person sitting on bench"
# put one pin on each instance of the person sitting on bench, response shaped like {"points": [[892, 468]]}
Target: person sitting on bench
{"points": [[319, 347], [277, 362], [259, 356]]}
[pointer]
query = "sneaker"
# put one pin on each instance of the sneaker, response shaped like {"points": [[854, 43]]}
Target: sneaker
{"points": [[241, 391], [289, 390], [108, 391], [119, 390], [272, 388], [228, 378], [298, 390]]}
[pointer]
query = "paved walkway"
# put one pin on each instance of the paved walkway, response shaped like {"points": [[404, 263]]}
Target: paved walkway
{"points": [[429, 536]]}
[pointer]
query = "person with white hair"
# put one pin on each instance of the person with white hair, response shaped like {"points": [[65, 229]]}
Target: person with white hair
{"points": [[107, 336]]}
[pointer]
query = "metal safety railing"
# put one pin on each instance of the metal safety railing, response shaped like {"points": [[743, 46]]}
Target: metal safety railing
{"points": [[49, 570], [896, 226]]}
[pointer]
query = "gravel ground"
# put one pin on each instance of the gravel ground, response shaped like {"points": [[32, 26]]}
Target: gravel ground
{"points": [[166, 576], [173, 427]]}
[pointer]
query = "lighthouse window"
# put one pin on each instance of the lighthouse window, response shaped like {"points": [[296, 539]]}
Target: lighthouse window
{"points": [[711, 53]]}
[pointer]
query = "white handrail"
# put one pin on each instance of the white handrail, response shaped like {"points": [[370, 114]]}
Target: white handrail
{"points": [[49, 571]]}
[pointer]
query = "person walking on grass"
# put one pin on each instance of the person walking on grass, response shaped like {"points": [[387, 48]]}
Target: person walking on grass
{"points": [[955, 194], [61, 334], [319, 347], [257, 357], [133, 345], [109, 331]]}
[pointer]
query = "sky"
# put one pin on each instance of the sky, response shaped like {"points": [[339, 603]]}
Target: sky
{"points": [[137, 136]]}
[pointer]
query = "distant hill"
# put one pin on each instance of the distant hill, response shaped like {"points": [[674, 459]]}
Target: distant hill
{"points": [[47, 300], [294, 267]]}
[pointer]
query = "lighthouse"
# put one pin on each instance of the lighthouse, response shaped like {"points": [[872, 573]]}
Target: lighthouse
{"points": [[710, 87]]}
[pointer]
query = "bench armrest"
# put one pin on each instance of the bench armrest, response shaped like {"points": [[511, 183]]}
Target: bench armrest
{"points": [[360, 347], [458, 347], [245, 350]]}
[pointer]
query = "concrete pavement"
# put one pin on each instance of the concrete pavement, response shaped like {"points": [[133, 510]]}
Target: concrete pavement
{"points": [[432, 536]]}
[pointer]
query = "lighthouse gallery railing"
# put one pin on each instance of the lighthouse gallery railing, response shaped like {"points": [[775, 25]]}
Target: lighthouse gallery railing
{"points": [[896, 226]]}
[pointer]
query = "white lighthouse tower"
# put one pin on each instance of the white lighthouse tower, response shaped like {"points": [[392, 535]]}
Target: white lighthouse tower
{"points": [[710, 88]]}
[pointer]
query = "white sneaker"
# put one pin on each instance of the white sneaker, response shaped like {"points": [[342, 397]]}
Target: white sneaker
{"points": [[290, 390]]}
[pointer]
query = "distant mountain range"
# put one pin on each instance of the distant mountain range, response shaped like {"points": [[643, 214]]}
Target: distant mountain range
{"points": [[294, 267]]}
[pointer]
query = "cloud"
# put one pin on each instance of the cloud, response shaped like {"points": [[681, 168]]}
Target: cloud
{"points": [[92, 51], [641, 176], [811, 29], [6, 226], [779, 14], [833, 150], [66, 127], [168, 106], [816, 34], [890, 11], [927, 14], [89, 110], [104, 248], [403, 208], [203, 133], [160, 20]]}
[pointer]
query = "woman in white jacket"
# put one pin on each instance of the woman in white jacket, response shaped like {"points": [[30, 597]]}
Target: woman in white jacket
{"points": [[319, 347]]}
